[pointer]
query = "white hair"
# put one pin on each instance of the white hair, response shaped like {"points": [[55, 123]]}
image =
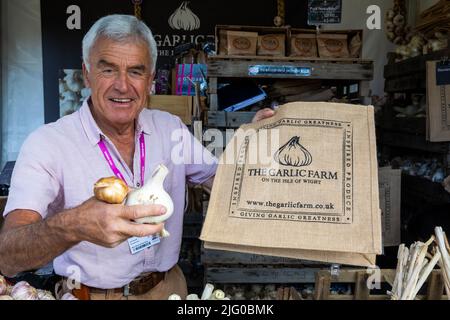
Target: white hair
{"points": [[121, 28]]}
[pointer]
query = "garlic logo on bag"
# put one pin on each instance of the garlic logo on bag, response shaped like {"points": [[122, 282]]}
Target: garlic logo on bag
{"points": [[184, 19], [294, 187], [293, 154]]}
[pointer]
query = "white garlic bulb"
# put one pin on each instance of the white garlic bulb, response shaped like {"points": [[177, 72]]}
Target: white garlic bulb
{"points": [[174, 297], [153, 193], [293, 154], [3, 286], [68, 296], [45, 295], [184, 19], [24, 291], [192, 297]]}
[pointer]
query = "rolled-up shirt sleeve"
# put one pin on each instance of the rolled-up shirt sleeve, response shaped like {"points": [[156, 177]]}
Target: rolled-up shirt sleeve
{"points": [[34, 185], [200, 164]]}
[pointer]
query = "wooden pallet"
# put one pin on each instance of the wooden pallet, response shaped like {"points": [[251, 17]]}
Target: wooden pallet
{"points": [[324, 280]]}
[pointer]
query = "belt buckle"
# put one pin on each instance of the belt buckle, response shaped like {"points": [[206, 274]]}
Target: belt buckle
{"points": [[126, 290]]}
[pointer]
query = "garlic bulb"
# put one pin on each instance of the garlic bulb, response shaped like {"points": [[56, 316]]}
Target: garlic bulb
{"points": [[184, 19], [174, 297], [217, 295], [68, 296], [399, 20], [111, 190], [6, 298], [153, 193], [24, 291], [3, 286], [45, 295], [293, 154], [192, 296]]}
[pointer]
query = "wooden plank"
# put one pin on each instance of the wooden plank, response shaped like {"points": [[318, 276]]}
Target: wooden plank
{"points": [[213, 102], [219, 119], [435, 288], [216, 119], [217, 257], [322, 286], [361, 289], [212, 88], [260, 275], [413, 82], [413, 65], [319, 70]]}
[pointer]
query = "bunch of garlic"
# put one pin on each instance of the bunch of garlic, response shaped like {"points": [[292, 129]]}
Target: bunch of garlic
{"points": [[396, 29], [22, 291], [71, 91], [413, 49], [114, 190]]}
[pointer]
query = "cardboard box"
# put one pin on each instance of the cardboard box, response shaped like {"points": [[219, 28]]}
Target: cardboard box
{"points": [[222, 38], [180, 106], [354, 40]]}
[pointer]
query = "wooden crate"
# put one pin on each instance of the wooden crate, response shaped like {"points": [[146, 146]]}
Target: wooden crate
{"points": [[324, 280], [180, 106]]}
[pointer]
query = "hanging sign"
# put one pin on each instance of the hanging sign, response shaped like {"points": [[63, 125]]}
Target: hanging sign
{"points": [[324, 12]]}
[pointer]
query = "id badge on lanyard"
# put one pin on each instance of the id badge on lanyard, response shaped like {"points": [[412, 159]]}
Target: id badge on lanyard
{"points": [[136, 244]]}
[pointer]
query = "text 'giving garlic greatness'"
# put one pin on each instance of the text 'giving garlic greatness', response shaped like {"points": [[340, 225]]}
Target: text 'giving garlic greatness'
{"points": [[114, 190]]}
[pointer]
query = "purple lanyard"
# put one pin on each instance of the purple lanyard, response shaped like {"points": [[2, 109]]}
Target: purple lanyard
{"points": [[112, 165]]}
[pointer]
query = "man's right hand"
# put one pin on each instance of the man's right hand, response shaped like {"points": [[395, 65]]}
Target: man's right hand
{"points": [[109, 225]]}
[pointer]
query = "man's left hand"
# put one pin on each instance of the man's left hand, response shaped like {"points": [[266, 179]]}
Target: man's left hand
{"points": [[263, 114]]}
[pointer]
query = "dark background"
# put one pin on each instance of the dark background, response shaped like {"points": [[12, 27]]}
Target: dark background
{"points": [[62, 47]]}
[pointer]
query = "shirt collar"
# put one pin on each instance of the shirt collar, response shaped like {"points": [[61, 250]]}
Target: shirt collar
{"points": [[93, 131]]}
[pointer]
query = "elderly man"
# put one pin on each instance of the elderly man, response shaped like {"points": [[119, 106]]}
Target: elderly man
{"points": [[51, 214]]}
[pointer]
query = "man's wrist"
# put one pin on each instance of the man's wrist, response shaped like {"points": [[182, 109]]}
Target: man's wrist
{"points": [[65, 225]]}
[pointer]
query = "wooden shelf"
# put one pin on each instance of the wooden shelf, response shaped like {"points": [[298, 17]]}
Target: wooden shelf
{"points": [[325, 69], [260, 275], [410, 75], [229, 119], [219, 257]]}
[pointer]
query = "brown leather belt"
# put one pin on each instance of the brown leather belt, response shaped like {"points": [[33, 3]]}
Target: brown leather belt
{"points": [[142, 284]]}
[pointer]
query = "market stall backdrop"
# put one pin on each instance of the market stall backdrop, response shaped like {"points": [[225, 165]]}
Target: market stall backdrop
{"points": [[37, 46]]}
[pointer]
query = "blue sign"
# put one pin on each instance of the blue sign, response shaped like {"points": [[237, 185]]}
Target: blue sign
{"points": [[260, 70]]}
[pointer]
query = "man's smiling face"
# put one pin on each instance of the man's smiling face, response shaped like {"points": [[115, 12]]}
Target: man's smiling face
{"points": [[120, 79]]}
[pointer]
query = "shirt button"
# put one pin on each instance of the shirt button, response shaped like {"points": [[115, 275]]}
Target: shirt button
{"points": [[138, 184]]}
